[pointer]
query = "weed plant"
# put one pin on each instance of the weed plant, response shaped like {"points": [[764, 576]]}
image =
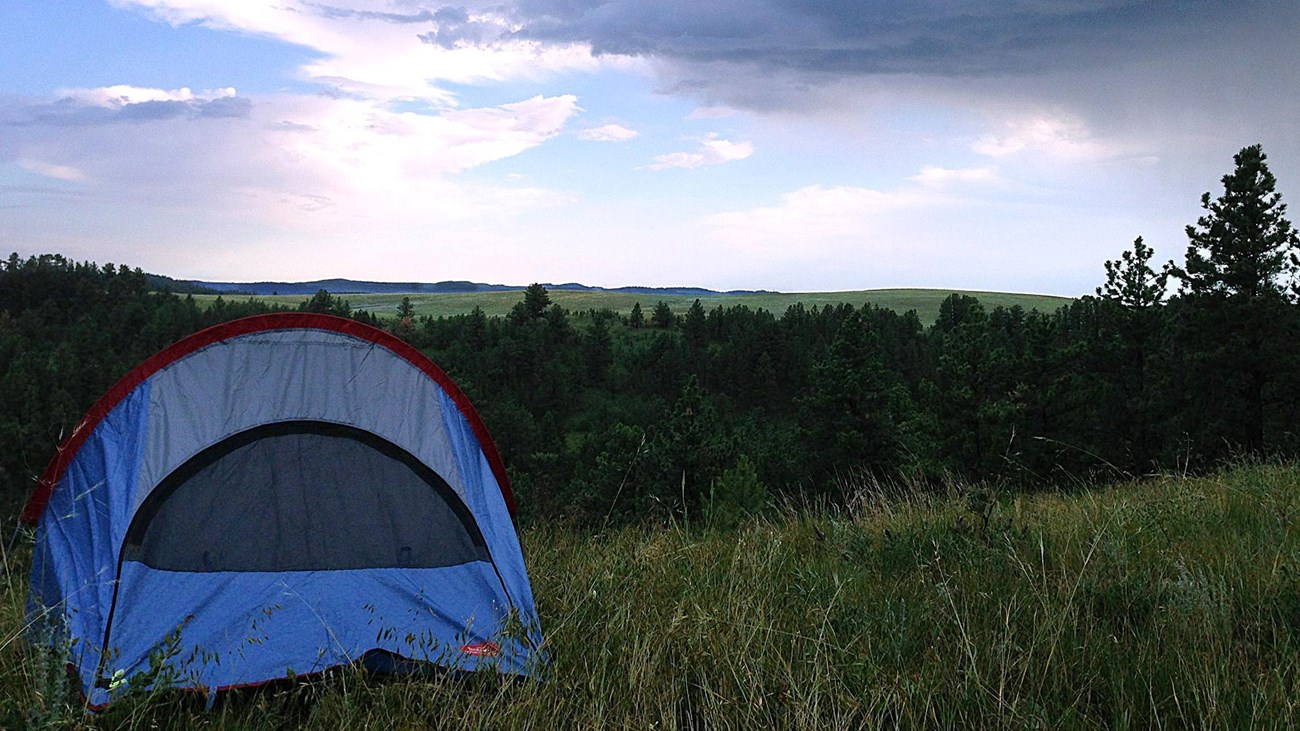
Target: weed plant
{"points": [[1170, 602]]}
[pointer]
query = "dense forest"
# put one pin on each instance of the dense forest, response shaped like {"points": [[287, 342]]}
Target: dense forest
{"points": [[616, 417]]}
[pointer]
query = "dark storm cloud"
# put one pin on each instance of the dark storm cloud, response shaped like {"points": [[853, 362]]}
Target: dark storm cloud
{"points": [[804, 55], [839, 37]]}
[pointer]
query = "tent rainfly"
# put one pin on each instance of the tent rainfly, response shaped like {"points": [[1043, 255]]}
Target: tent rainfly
{"points": [[275, 496]]}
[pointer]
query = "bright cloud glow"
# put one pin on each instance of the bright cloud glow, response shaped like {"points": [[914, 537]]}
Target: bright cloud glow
{"points": [[354, 147], [385, 53], [712, 151]]}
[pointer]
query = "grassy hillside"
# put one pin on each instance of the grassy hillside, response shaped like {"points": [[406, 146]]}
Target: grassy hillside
{"points": [[1172, 602], [924, 301]]}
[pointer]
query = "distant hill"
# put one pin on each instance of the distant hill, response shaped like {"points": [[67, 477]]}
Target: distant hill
{"points": [[159, 283], [353, 286], [348, 286]]}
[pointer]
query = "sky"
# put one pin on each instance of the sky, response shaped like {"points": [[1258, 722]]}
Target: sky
{"points": [[792, 145]]}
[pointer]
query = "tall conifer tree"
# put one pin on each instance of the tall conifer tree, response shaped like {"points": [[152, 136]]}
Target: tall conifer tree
{"points": [[1244, 245], [1238, 276]]}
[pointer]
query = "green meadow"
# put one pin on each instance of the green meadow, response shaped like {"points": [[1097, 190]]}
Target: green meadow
{"points": [[924, 301], [1167, 602]]}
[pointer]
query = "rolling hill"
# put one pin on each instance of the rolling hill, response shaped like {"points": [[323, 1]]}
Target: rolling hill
{"points": [[498, 302]]}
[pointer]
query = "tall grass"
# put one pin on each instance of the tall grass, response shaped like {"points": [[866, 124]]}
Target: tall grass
{"points": [[1167, 603]]}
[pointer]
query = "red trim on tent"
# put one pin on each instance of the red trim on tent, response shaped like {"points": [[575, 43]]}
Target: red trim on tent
{"points": [[258, 323]]}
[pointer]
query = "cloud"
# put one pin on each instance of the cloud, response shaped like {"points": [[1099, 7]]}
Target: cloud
{"points": [[226, 108], [962, 38], [1164, 76], [810, 216], [820, 216], [444, 14], [388, 54], [712, 151], [455, 27], [121, 95], [374, 164], [942, 227], [307, 203], [382, 150], [711, 112], [127, 104], [49, 170], [295, 190], [936, 176], [1035, 110], [303, 165], [607, 133], [1055, 136]]}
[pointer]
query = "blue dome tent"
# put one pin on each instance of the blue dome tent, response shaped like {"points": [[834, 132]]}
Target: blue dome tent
{"points": [[275, 496]]}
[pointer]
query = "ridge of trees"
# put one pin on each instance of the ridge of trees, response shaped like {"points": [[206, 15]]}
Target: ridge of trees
{"points": [[602, 417]]}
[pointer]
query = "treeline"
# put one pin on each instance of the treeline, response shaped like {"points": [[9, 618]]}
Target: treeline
{"points": [[604, 416], [68, 331]]}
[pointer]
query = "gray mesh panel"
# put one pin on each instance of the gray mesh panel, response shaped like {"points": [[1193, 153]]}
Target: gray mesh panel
{"points": [[302, 496]]}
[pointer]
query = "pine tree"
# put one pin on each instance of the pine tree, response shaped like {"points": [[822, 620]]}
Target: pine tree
{"points": [[1130, 318], [1130, 280], [695, 325], [326, 303], [536, 300], [1239, 274], [1244, 245], [662, 316], [855, 403]]}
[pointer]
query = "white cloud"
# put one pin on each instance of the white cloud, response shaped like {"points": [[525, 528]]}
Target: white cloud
{"points": [[1057, 136], [329, 175], [186, 168], [48, 170], [936, 176], [607, 133], [369, 53], [375, 164], [713, 151], [121, 95]]}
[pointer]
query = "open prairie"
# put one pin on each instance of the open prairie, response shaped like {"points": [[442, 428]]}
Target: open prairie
{"points": [[924, 301], [1169, 602]]}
